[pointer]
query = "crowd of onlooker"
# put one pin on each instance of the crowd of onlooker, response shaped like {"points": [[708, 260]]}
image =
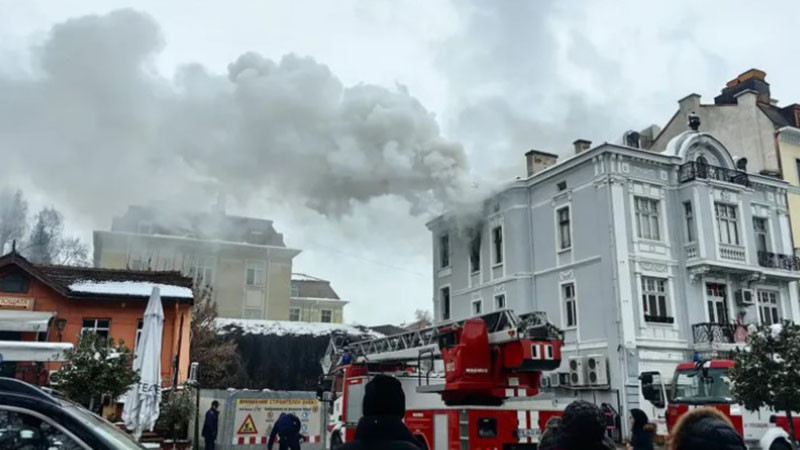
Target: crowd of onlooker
{"points": [[582, 427]]}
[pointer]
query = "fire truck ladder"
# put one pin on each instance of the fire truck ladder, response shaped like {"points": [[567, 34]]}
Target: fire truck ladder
{"points": [[503, 326]]}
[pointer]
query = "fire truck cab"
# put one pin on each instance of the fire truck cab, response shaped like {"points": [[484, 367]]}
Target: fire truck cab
{"points": [[707, 383]]}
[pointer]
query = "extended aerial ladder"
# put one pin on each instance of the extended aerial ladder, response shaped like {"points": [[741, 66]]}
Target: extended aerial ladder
{"points": [[486, 358]]}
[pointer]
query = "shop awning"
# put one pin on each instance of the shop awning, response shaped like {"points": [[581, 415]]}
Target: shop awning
{"points": [[13, 320], [33, 351]]}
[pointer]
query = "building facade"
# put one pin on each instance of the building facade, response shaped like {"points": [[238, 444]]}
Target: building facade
{"points": [[642, 258], [751, 125], [244, 260], [59, 303], [314, 300]]}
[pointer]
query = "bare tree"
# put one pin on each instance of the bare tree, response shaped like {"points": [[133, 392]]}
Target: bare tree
{"points": [[48, 245], [13, 218], [221, 365]]}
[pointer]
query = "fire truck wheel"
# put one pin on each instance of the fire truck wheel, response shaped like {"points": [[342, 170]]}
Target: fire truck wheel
{"points": [[336, 441], [780, 444]]}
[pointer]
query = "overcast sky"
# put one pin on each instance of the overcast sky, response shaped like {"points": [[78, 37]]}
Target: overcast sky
{"points": [[349, 123]]}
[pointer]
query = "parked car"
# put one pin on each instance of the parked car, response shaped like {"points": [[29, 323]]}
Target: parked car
{"points": [[31, 418]]}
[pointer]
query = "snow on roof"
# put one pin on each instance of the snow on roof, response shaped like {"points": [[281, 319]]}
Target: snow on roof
{"points": [[304, 277], [130, 288], [285, 327]]}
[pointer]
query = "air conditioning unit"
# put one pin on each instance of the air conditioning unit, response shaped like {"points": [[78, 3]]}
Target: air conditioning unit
{"points": [[555, 379], [745, 297], [577, 371], [544, 381], [597, 370]]}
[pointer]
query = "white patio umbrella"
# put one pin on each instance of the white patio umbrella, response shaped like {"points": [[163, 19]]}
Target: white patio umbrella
{"points": [[141, 402]]}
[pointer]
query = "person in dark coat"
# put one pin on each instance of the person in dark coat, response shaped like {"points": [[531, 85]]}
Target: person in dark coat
{"points": [[705, 429], [210, 426], [641, 431], [381, 427], [583, 427], [551, 436], [287, 428]]}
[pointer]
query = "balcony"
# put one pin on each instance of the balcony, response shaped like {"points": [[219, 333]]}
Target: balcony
{"points": [[733, 253], [699, 171], [711, 333], [779, 261]]}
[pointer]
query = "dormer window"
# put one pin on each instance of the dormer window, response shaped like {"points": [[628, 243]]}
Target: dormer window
{"points": [[14, 282]]}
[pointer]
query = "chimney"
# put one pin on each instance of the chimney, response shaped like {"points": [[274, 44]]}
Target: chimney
{"points": [[581, 145], [538, 161]]}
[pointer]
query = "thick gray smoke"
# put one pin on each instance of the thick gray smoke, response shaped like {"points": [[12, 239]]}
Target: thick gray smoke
{"points": [[95, 125]]}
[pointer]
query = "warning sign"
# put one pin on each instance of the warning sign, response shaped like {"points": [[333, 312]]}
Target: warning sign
{"points": [[255, 417], [248, 426]]}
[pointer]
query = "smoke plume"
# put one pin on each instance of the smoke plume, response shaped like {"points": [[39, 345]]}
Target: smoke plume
{"points": [[95, 124]]}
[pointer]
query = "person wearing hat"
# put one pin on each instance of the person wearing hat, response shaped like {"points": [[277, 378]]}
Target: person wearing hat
{"points": [[583, 427], [705, 429], [382, 427]]}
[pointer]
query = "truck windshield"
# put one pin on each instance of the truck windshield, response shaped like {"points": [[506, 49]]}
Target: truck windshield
{"points": [[696, 387]]}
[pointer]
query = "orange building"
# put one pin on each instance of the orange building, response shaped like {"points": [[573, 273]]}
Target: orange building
{"points": [[58, 303]]}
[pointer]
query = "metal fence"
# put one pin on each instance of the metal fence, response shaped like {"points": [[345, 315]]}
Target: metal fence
{"points": [[713, 332], [694, 170]]}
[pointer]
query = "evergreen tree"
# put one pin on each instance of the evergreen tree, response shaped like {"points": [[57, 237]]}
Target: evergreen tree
{"points": [[96, 368], [768, 373]]}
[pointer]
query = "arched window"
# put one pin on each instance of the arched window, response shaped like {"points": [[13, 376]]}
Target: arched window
{"points": [[702, 160]]}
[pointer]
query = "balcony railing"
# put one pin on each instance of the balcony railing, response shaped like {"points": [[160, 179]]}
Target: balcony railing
{"points": [[709, 333], [735, 253], [693, 171], [778, 261]]}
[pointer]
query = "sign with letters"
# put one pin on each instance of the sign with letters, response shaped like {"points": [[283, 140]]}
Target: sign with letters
{"points": [[16, 303]]}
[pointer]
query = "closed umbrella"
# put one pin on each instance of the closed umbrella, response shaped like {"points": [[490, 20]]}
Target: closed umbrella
{"points": [[141, 402]]}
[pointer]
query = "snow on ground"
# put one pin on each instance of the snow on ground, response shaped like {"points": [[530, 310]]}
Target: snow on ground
{"points": [[285, 327], [132, 288]]}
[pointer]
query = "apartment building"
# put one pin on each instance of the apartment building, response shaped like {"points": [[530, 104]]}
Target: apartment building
{"points": [[314, 300], [642, 258], [244, 260], [751, 125]]}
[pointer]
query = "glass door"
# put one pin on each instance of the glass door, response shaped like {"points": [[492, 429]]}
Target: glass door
{"points": [[717, 302]]}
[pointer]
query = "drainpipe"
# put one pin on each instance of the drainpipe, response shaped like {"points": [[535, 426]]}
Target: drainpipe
{"points": [[621, 349]]}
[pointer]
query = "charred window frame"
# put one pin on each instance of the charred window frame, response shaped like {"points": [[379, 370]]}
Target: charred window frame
{"points": [[475, 253], [444, 251], [497, 242]]}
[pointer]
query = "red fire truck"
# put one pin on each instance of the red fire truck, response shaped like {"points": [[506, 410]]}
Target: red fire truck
{"points": [[474, 365], [707, 383]]}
